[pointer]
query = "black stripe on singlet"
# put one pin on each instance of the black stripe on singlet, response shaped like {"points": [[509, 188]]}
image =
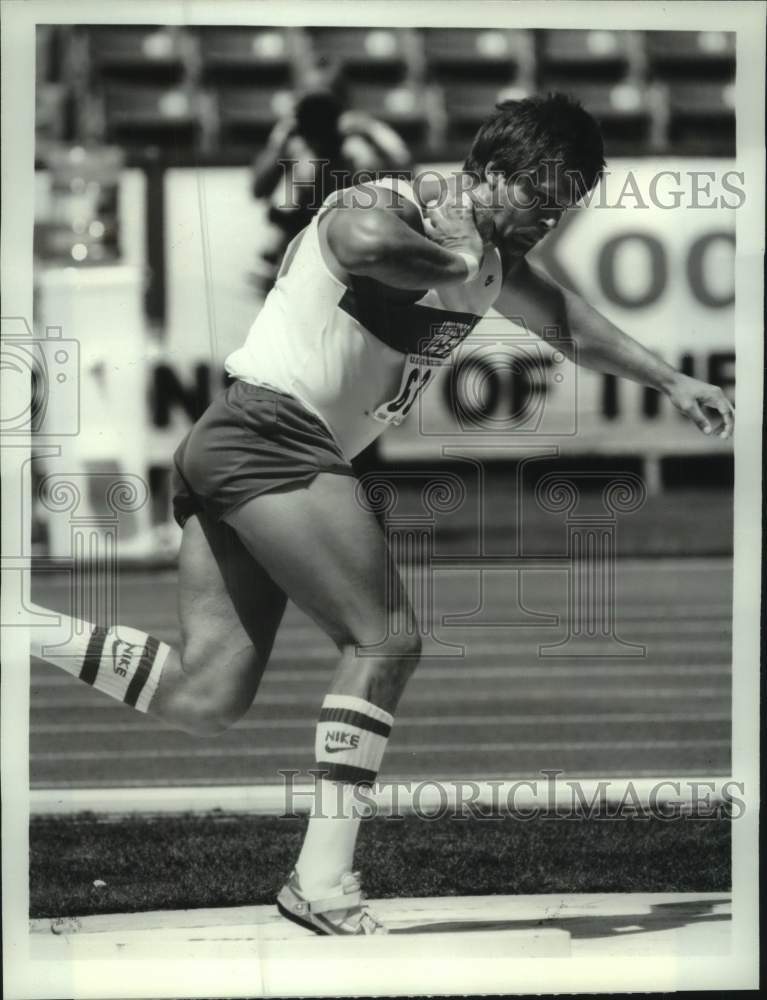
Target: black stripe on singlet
{"points": [[406, 327], [90, 667], [143, 670]]}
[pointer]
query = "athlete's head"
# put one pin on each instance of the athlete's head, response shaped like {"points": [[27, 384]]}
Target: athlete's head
{"points": [[322, 99], [531, 160]]}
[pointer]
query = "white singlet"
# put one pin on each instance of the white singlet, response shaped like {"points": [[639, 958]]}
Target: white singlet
{"points": [[352, 356]]}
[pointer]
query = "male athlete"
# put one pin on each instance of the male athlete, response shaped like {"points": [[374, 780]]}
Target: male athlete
{"points": [[376, 288]]}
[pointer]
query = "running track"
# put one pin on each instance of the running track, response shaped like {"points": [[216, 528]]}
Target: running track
{"points": [[499, 710]]}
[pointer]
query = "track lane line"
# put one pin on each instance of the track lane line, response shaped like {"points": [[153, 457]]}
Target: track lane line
{"points": [[643, 718], [424, 748]]}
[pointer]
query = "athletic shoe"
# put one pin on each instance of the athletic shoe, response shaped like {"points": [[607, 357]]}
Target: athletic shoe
{"points": [[339, 912]]}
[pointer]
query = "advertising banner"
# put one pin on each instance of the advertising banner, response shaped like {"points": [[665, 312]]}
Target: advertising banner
{"points": [[653, 250]]}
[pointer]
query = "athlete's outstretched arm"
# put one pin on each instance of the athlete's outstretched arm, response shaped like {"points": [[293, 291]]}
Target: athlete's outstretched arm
{"points": [[373, 233], [267, 167], [591, 340]]}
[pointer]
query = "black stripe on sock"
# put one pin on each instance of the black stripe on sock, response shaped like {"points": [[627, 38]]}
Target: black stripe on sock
{"points": [[355, 719], [90, 667], [143, 670], [346, 773]]}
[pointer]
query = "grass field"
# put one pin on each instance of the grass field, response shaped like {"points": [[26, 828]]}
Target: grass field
{"points": [[191, 861]]}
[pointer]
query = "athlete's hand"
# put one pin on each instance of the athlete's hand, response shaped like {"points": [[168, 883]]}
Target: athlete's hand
{"points": [[452, 225], [693, 397]]}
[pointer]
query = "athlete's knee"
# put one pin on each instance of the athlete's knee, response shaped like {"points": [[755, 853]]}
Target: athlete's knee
{"points": [[206, 705], [398, 652], [206, 720], [408, 647], [202, 714]]}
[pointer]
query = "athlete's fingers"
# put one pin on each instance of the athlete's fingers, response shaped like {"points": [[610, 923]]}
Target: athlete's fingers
{"points": [[451, 224], [432, 228], [698, 417], [459, 208], [435, 220], [724, 407], [441, 226]]}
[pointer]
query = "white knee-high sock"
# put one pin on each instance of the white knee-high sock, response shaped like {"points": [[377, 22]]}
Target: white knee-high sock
{"points": [[121, 661], [350, 742]]}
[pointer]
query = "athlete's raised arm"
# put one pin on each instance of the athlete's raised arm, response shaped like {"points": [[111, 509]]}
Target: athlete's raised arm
{"points": [[376, 233], [591, 340]]}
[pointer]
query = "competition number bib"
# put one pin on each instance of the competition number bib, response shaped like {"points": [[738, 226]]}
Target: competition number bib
{"points": [[418, 372]]}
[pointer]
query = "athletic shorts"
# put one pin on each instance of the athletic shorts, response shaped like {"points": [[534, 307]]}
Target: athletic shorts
{"points": [[250, 440]]}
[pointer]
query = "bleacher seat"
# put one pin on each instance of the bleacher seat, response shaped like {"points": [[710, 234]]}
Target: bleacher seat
{"points": [[141, 53], [467, 105], [474, 102], [237, 54], [404, 108], [246, 115], [140, 116], [584, 54], [623, 111], [473, 54], [379, 54], [702, 100], [691, 54], [135, 84], [702, 117]]}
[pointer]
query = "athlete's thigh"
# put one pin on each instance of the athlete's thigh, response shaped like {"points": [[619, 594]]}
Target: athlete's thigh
{"points": [[228, 604], [329, 555]]}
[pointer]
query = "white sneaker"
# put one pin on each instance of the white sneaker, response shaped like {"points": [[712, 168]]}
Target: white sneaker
{"points": [[339, 912]]}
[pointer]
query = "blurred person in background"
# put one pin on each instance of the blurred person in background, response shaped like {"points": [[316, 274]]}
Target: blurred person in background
{"points": [[320, 147]]}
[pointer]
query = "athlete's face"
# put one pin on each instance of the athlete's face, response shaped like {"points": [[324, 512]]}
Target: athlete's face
{"points": [[518, 214]]}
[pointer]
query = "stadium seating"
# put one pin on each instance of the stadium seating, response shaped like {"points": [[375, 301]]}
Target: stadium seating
{"points": [[474, 54], [591, 55], [622, 110], [246, 115], [233, 54], [405, 108], [379, 54], [218, 90], [150, 115], [144, 54], [467, 105], [692, 54], [702, 117]]}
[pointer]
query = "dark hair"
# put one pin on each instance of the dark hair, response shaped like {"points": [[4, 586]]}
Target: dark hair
{"points": [[317, 114], [521, 135]]}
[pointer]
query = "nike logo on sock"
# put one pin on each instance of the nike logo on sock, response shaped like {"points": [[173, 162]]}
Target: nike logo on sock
{"points": [[329, 749], [121, 659]]}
